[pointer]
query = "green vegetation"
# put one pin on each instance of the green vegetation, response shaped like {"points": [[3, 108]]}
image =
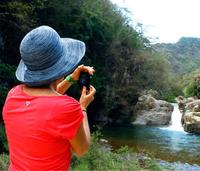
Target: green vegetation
{"points": [[7, 80], [100, 158], [191, 89], [4, 162], [190, 83], [3, 140]]}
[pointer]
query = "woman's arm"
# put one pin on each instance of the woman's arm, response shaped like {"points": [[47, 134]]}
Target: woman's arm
{"points": [[81, 142], [63, 86]]}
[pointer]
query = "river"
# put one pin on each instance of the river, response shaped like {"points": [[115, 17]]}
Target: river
{"points": [[168, 143]]}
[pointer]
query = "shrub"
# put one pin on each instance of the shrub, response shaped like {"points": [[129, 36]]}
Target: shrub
{"points": [[190, 89], [99, 158], [169, 96], [4, 162]]}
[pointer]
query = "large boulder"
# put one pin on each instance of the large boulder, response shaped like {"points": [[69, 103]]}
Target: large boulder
{"points": [[190, 108], [191, 122], [151, 111]]}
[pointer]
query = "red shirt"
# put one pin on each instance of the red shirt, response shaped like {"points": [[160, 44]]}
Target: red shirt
{"points": [[39, 128]]}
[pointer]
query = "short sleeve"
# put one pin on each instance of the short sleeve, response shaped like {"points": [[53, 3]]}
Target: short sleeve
{"points": [[66, 118]]}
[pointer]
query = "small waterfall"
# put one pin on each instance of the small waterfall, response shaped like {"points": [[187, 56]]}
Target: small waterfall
{"points": [[175, 120]]}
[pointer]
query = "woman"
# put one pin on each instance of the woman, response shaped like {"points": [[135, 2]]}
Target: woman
{"points": [[42, 125]]}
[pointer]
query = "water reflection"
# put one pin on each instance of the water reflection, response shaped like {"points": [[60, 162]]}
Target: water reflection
{"points": [[163, 143]]}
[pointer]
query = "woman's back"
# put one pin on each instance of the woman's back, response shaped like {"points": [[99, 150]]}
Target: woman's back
{"points": [[39, 129]]}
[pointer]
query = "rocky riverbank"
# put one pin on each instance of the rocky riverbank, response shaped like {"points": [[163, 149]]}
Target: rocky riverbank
{"points": [[148, 162], [177, 166]]}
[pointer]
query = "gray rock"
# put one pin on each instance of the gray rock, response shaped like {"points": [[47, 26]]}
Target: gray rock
{"points": [[191, 114], [151, 111]]}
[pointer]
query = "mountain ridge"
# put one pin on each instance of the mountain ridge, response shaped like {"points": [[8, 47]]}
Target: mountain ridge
{"points": [[184, 55]]}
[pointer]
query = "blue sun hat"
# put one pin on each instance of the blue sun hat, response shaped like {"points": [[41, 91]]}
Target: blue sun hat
{"points": [[46, 57]]}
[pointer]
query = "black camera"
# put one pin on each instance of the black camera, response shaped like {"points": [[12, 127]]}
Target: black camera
{"points": [[84, 80]]}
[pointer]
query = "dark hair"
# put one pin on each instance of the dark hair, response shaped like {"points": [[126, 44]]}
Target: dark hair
{"points": [[39, 86]]}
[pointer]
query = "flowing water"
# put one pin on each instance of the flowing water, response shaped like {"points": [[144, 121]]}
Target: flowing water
{"points": [[175, 120], [169, 143]]}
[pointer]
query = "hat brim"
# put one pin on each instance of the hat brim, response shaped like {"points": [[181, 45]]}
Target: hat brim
{"points": [[73, 52]]}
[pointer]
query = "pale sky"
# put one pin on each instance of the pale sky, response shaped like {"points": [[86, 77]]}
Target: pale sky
{"points": [[168, 20]]}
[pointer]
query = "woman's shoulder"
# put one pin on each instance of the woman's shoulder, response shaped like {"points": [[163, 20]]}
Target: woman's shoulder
{"points": [[15, 89], [66, 107], [66, 100]]}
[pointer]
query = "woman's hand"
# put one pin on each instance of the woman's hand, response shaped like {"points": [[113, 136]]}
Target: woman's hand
{"points": [[64, 85], [75, 75], [87, 97]]}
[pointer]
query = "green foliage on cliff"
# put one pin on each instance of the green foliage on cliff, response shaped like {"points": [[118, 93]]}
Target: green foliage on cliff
{"points": [[190, 83]]}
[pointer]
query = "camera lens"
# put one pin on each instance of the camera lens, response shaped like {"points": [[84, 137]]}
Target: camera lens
{"points": [[84, 80]]}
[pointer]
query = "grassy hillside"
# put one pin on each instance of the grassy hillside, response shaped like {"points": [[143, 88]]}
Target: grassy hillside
{"points": [[184, 55]]}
